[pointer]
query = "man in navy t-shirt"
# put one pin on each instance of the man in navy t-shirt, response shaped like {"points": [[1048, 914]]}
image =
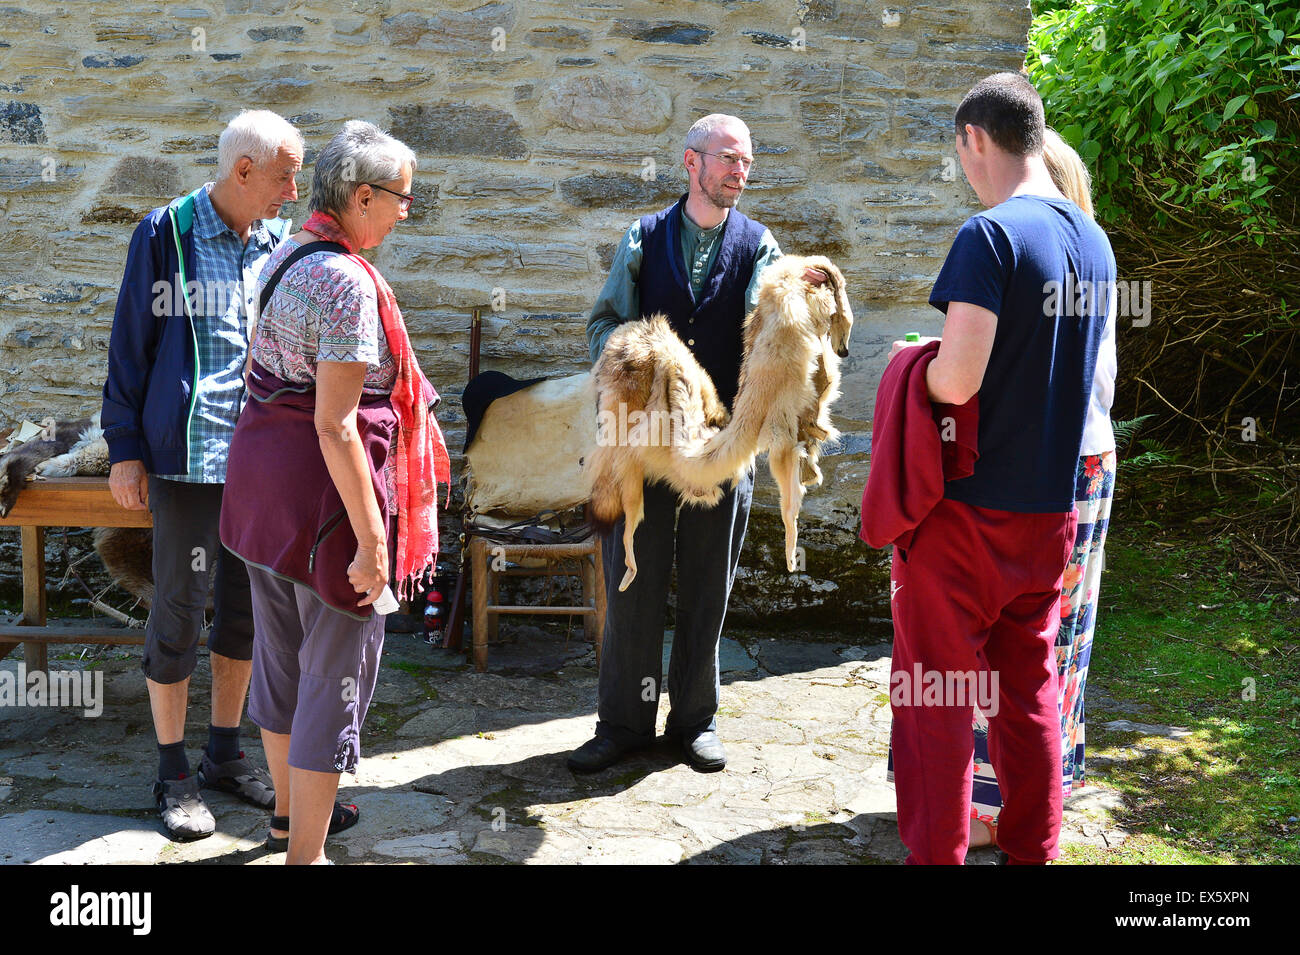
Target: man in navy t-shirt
{"points": [[1025, 290]]}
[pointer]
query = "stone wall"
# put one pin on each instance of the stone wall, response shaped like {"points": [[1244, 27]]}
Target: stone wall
{"points": [[543, 128]]}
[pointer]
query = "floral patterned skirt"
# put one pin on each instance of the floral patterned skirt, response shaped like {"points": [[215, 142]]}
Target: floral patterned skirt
{"points": [[1094, 486]]}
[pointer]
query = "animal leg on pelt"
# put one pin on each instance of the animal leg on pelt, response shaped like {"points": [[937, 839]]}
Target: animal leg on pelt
{"points": [[810, 475], [633, 513], [784, 465]]}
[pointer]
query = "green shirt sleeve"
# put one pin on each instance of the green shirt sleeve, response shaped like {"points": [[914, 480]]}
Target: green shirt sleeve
{"points": [[618, 301], [767, 253]]}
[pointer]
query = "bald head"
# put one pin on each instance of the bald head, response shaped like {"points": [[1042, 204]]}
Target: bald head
{"points": [[704, 128]]}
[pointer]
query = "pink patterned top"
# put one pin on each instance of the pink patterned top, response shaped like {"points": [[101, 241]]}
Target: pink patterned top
{"points": [[323, 309]]}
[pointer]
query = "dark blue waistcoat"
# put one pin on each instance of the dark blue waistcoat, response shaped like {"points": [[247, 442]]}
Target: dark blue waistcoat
{"points": [[714, 321]]}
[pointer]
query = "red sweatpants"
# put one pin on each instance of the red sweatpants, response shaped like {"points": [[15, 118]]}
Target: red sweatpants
{"points": [[978, 589]]}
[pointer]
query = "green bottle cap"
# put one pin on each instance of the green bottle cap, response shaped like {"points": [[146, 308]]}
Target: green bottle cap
{"points": [[912, 337]]}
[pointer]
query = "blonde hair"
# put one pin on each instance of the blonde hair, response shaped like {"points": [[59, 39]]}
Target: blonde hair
{"points": [[1067, 170]]}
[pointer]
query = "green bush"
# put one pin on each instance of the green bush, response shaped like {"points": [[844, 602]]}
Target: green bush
{"points": [[1185, 108]]}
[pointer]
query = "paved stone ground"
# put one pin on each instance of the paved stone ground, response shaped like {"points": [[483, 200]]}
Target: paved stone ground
{"points": [[465, 767]]}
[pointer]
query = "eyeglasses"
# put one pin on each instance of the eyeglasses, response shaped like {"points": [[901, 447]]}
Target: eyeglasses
{"points": [[729, 159], [404, 201]]}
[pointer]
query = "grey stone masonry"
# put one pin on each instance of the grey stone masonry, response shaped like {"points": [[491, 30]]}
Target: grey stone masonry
{"points": [[543, 128]]}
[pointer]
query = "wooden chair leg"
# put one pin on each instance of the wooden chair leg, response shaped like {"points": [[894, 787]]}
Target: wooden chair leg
{"points": [[33, 544], [494, 592], [599, 574], [587, 578], [480, 585], [455, 632]]}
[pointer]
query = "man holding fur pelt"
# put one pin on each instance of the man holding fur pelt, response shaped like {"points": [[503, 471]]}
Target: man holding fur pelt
{"points": [[698, 263], [174, 389]]}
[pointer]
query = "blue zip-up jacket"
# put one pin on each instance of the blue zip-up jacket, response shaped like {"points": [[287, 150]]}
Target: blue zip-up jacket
{"points": [[149, 394]]}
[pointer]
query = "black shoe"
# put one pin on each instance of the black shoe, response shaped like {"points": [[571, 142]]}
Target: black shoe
{"points": [[596, 754], [705, 752]]}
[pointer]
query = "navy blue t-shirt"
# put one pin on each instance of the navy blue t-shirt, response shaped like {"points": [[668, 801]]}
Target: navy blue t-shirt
{"points": [[1047, 271]]}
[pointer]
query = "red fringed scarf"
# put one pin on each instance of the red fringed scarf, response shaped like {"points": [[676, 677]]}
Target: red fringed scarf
{"points": [[422, 459]]}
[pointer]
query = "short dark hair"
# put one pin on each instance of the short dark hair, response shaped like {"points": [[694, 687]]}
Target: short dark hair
{"points": [[1009, 109]]}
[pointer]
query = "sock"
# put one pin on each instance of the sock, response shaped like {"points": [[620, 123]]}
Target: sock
{"points": [[223, 743], [172, 763]]}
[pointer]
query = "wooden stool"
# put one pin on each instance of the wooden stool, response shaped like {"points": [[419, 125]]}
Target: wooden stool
{"points": [[485, 581], [60, 502]]}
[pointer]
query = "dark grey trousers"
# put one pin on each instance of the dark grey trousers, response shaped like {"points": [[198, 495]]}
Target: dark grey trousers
{"points": [[186, 519], [706, 544]]}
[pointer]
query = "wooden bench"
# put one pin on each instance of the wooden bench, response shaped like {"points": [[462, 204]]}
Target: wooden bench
{"points": [[60, 502]]}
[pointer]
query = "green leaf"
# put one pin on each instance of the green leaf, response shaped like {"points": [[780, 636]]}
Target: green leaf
{"points": [[1266, 128], [1072, 133], [1234, 104], [1277, 36]]}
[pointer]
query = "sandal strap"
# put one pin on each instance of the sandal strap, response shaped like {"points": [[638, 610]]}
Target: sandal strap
{"points": [[340, 814]]}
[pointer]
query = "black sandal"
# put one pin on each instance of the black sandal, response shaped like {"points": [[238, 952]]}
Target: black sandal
{"points": [[343, 817]]}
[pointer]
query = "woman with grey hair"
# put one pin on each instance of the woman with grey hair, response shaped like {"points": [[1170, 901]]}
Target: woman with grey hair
{"points": [[332, 481]]}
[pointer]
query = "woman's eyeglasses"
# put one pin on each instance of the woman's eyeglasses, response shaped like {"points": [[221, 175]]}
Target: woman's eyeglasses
{"points": [[404, 201]]}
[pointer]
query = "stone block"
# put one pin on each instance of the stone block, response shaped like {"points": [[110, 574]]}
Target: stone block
{"points": [[43, 174], [283, 34], [21, 123], [559, 37], [616, 102], [469, 186], [661, 31], [458, 129], [806, 227], [826, 118], [144, 176], [844, 79], [100, 61], [619, 191], [449, 31]]}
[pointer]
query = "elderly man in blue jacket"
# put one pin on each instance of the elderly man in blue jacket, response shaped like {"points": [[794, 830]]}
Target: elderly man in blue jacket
{"points": [[175, 385]]}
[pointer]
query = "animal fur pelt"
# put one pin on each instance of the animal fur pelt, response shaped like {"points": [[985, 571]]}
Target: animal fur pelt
{"points": [[659, 416], [127, 553], [63, 449], [71, 449]]}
